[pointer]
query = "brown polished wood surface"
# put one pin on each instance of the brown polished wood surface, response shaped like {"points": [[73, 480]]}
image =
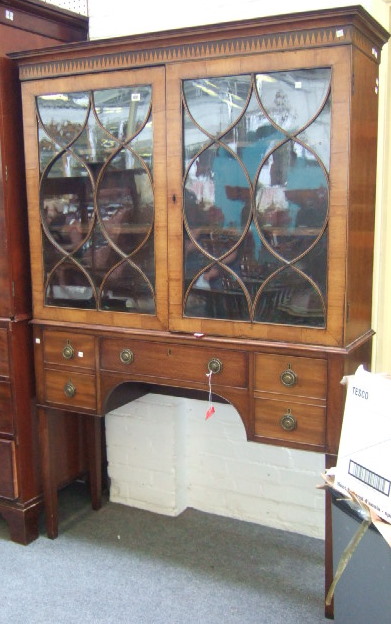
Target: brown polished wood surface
{"points": [[175, 361], [33, 25], [283, 378], [309, 422], [309, 375], [71, 350]]}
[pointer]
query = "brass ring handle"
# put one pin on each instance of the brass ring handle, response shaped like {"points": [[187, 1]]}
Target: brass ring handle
{"points": [[215, 366], [68, 351], [288, 377], [288, 422], [69, 390], [126, 356]]}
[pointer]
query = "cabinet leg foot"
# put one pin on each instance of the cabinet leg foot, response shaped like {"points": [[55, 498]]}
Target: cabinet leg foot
{"points": [[23, 524], [48, 480], [93, 426]]}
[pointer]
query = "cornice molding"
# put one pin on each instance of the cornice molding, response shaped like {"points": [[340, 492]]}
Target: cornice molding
{"points": [[315, 29], [126, 59]]}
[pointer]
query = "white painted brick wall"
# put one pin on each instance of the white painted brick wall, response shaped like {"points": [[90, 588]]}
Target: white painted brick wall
{"points": [[146, 463], [164, 456]]}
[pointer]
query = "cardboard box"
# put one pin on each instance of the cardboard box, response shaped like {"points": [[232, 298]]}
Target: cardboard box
{"points": [[364, 456]]}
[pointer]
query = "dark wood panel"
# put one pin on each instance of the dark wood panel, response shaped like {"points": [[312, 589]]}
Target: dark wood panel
{"points": [[4, 352], [23, 25], [6, 412], [36, 25], [14, 253], [8, 482]]}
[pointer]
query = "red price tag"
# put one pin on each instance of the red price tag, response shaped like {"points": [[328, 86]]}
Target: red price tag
{"points": [[211, 410]]}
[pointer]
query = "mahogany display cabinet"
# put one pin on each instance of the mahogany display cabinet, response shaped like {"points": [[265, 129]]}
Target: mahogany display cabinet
{"points": [[21, 24], [201, 201]]}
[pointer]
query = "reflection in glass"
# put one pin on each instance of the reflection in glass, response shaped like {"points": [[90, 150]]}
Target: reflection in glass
{"points": [[127, 289], [216, 103], [125, 201], [256, 197], [123, 112], [66, 210], [68, 286], [292, 99], [289, 294], [97, 204], [63, 115]]}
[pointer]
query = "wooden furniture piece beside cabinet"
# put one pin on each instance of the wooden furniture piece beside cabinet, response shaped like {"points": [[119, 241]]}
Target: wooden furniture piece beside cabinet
{"points": [[21, 25], [203, 200]]}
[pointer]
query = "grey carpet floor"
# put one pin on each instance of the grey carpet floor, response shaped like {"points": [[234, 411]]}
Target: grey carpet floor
{"points": [[125, 566]]}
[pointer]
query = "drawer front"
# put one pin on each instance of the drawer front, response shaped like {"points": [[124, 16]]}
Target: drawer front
{"points": [[6, 424], [168, 361], [70, 389], [8, 482], [69, 349], [292, 422], [4, 362], [299, 376]]}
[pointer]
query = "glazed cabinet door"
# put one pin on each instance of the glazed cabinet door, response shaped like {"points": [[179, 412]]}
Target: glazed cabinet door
{"points": [[258, 192], [95, 151]]}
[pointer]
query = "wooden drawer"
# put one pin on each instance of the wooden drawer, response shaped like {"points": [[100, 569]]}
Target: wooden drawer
{"points": [[309, 421], [84, 394], [169, 361], [308, 375], [8, 482], [6, 421], [69, 349], [4, 362]]}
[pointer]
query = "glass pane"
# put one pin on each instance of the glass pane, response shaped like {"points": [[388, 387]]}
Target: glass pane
{"points": [[97, 203], [292, 99], [317, 135], [127, 290], [144, 259], [123, 111], [216, 103], [97, 256], [253, 137], [142, 144], [193, 140], [290, 299], [47, 149], [125, 201], [213, 206], [66, 205], [63, 115], [217, 294], [51, 254], [94, 145], [256, 198], [68, 286], [292, 207]]}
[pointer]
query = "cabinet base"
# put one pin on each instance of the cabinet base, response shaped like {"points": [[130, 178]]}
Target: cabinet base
{"points": [[22, 521]]}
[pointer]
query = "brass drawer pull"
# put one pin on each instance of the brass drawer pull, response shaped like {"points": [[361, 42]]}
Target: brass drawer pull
{"points": [[288, 422], [69, 390], [288, 377], [126, 356], [68, 351], [215, 366]]}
